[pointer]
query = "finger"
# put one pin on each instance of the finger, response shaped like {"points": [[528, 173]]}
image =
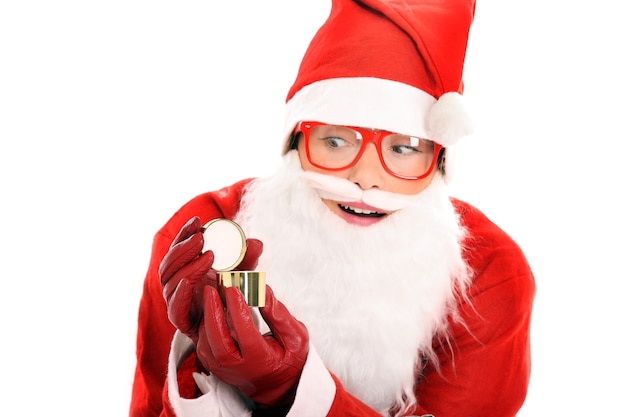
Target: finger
{"points": [[190, 228], [179, 255], [254, 249], [242, 326], [215, 330], [193, 226], [179, 309], [286, 329], [198, 272]]}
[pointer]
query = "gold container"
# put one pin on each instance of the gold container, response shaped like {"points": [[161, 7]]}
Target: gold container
{"points": [[250, 283], [228, 242]]}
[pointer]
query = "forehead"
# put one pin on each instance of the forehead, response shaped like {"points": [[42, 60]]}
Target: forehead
{"points": [[358, 128]]}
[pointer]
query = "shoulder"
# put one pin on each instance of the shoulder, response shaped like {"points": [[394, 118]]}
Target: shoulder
{"points": [[477, 223], [489, 250]]}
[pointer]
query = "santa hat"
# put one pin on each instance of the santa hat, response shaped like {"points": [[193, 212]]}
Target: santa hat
{"points": [[384, 64]]}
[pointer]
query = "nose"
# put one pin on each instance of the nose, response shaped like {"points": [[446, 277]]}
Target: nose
{"points": [[368, 172]]}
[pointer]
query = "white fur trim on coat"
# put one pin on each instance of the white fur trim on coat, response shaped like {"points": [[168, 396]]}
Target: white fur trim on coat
{"points": [[314, 396], [218, 400]]}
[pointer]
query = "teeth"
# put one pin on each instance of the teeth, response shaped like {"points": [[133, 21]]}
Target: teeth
{"points": [[360, 211]]}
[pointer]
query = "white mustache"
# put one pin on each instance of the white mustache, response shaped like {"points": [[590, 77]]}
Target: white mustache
{"points": [[339, 189]]}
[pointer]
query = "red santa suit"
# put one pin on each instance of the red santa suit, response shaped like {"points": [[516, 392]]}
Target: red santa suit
{"points": [[487, 373], [394, 66]]}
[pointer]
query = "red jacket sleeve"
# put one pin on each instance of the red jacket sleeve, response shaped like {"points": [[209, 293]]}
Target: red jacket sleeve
{"points": [[154, 331]]}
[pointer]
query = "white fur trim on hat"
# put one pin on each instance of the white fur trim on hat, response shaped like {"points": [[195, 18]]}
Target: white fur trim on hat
{"points": [[381, 104], [362, 101]]}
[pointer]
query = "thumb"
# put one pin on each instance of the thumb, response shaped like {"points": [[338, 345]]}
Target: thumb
{"points": [[254, 248], [286, 329]]}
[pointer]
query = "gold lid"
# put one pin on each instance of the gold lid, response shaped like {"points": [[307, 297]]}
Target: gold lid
{"points": [[227, 241]]}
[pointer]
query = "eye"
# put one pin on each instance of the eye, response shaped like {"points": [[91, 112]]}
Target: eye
{"points": [[404, 149], [334, 142], [336, 137], [404, 145]]}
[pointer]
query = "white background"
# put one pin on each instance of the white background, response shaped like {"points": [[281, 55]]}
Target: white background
{"points": [[114, 113]]}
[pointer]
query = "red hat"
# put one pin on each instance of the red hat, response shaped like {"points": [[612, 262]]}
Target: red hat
{"points": [[385, 64]]}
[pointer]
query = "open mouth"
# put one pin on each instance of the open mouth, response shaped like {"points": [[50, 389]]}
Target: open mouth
{"points": [[360, 212]]}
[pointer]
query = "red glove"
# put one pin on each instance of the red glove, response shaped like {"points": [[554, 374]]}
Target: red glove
{"points": [[266, 368], [185, 270]]}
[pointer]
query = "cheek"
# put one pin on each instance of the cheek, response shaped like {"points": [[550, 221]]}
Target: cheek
{"points": [[304, 161], [307, 166], [409, 187]]}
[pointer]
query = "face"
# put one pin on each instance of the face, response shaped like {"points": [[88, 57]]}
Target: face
{"points": [[367, 173]]}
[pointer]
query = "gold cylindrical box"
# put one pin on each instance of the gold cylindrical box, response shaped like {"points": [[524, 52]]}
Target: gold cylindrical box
{"points": [[250, 283]]}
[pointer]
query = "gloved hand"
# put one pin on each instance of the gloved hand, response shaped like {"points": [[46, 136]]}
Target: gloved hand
{"points": [[266, 368], [185, 270]]}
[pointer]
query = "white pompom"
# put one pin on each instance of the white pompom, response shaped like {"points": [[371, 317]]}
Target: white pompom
{"points": [[449, 119]]}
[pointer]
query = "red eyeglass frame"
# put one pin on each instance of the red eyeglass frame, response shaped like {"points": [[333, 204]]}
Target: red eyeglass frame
{"points": [[374, 136]]}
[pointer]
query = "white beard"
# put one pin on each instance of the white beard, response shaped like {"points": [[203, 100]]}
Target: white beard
{"points": [[373, 297]]}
